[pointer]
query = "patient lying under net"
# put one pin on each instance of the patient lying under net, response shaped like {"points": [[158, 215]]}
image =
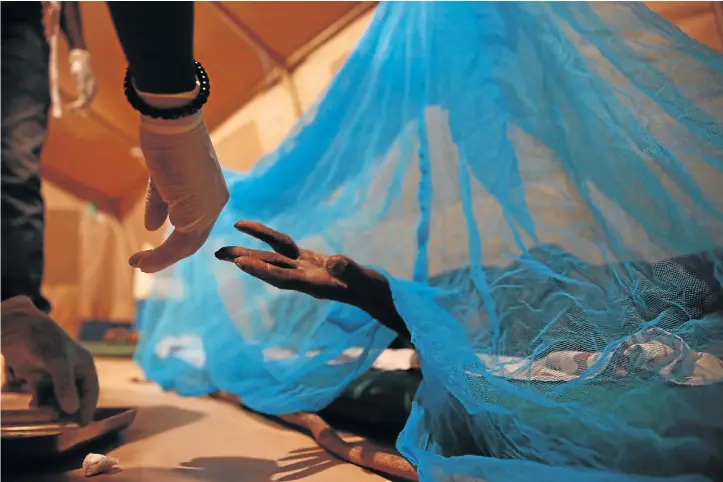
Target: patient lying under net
{"points": [[339, 278], [652, 351]]}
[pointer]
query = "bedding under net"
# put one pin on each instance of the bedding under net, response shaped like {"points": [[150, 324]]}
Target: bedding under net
{"points": [[542, 185]]}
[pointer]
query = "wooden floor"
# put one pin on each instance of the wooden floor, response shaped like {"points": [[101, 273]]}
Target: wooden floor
{"points": [[176, 439]]}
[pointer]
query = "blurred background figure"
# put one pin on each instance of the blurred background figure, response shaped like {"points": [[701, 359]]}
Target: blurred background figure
{"points": [[26, 102]]}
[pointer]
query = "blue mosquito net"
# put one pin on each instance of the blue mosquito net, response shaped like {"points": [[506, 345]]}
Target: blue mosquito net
{"points": [[543, 185]]}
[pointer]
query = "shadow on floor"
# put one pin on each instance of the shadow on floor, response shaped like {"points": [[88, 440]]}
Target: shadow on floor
{"points": [[297, 466], [22, 468], [149, 421], [156, 419]]}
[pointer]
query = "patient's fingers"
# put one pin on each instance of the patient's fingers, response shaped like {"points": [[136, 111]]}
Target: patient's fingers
{"points": [[285, 279], [279, 242], [230, 253]]}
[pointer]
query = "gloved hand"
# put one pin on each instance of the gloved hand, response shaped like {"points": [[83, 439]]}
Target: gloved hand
{"points": [[85, 88], [186, 186], [60, 373], [335, 278]]}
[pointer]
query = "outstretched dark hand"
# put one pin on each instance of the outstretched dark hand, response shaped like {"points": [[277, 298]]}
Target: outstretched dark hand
{"points": [[335, 278]]}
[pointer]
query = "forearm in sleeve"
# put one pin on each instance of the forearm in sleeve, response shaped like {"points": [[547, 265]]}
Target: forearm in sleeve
{"points": [[157, 38]]}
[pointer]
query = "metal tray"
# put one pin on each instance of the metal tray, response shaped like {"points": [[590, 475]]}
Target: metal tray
{"points": [[34, 432]]}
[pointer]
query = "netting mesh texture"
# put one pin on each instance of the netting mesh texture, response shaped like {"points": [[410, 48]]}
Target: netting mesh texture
{"points": [[542, 184]]}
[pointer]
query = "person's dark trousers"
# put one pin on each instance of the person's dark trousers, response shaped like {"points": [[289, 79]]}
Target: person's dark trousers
{"points": [[25, 105]]}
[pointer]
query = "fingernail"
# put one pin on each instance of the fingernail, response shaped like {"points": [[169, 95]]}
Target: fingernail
{"points": [[136, 259]]}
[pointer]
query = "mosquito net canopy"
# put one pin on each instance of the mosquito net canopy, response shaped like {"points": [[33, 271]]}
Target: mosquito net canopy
{"points": [[542, 184]]}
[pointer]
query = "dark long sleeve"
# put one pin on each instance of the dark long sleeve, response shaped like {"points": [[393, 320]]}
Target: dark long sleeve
{"points": [[157, 38]]}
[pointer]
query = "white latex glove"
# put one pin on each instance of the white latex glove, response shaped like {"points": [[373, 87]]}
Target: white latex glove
{"points": [[186, 186], [58, 371], [85, 88]]}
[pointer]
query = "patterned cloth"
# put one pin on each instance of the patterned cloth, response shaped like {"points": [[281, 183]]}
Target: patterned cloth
{"points": [[654, 351]]}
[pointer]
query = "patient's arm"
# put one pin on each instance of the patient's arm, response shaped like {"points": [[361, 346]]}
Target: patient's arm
{"points": [[336, 277]]}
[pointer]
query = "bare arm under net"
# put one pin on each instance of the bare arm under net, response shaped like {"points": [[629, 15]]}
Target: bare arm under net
{"points": [[336, 278]]}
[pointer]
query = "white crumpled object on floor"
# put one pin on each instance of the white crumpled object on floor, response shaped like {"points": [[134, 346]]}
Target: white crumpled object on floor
{"points": [[95, 464]]}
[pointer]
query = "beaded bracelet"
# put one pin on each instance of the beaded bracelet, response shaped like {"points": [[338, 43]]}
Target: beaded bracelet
{"points": [[134, 99]]}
